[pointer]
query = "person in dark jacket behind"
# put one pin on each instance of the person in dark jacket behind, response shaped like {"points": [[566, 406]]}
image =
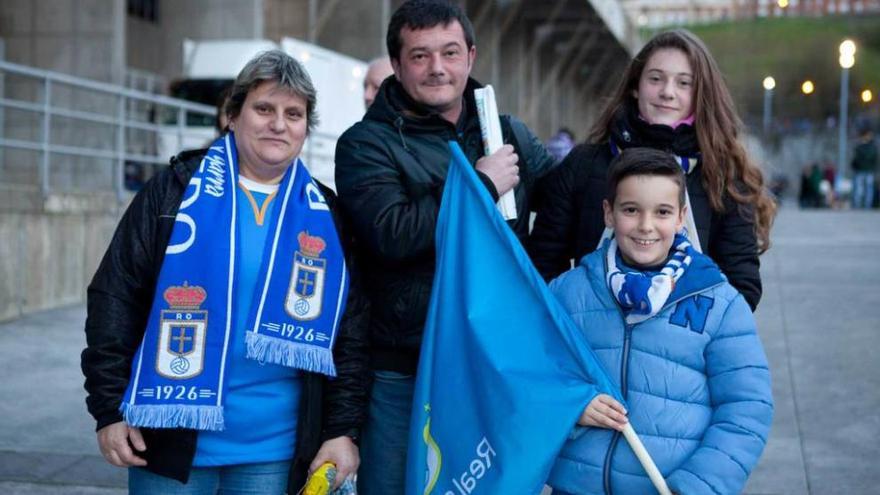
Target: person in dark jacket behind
{"points": [[864, 165], [390, 172], [204, 371], [672, 97]]}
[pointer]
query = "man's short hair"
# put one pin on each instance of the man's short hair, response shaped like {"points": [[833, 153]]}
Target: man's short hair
{"points": [[424, 14], [644, 161]]}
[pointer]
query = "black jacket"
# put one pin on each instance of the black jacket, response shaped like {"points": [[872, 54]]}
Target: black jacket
{"points": [[865, 157], [570, 220], [390, 172], [119, 300]]}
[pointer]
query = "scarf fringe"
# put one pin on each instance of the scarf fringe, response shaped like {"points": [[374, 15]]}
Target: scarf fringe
{"points": [[266, 349], [174, 416]]}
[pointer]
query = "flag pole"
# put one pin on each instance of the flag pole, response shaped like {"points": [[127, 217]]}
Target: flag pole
{"points": [[645, 459]]}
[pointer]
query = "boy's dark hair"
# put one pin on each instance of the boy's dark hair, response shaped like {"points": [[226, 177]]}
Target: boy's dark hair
{"points": [[644, 161], [424, 14]]}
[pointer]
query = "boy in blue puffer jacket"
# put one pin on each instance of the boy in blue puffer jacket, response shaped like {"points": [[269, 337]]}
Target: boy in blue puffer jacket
{"points": [[681, 340]]}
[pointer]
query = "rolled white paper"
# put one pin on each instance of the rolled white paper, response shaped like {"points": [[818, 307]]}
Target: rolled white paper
{"points": [[490, 127]]}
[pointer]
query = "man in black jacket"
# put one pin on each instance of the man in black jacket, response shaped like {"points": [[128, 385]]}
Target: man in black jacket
{"points": [[390, 172]]}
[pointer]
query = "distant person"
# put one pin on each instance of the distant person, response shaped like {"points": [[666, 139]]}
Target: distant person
{"points": [[778, 185], [561, 144], [208, 348], [378, 70], [827, 188], [672, 97], [694, 371], [133, 173], [811, 179], [864, 165]]}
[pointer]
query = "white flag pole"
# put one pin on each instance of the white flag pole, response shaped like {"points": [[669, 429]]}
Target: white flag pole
{"points": [[645, 459], [490, 127]]}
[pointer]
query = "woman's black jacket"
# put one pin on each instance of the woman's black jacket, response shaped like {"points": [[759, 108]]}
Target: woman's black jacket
{"points": [[119, 300], [570, 218]]}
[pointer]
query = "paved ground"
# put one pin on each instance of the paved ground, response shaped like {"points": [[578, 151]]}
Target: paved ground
{"points": [[819, 319]]}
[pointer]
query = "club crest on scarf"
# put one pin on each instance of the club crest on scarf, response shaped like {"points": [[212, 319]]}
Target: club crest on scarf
{"points": [[181, 353], [306, 290]]}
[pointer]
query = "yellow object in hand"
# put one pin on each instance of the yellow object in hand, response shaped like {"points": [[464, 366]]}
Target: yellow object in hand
{"points": [[321, 480]]}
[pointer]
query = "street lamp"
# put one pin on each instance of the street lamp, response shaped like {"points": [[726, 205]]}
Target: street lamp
{"points": [[847, 60], [769, 84], [867, 96], [808, 87]]}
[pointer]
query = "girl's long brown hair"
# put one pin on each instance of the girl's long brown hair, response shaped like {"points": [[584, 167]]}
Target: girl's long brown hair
{"points": [[726, 165]]}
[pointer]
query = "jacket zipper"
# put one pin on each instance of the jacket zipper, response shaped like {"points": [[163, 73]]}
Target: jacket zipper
{"points": [[624, 361], [627, 340]]}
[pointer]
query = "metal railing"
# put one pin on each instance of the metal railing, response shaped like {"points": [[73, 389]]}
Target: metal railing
{"points": [[160, 121]]}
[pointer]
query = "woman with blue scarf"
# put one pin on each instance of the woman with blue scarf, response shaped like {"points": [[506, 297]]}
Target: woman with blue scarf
{"points": [[226, 337]]}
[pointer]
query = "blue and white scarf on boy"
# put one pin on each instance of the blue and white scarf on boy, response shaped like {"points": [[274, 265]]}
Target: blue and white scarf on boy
{"points": [[641, 295], [179, 372]]}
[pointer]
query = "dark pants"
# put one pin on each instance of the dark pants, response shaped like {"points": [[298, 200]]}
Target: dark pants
{"points": [[385, 435]]}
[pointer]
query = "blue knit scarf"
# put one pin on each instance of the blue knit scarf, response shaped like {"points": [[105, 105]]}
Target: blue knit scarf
{"points": [[179, 373], [641, 295]]}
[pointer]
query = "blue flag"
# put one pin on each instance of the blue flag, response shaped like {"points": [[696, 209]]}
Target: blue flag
{"points": [[504, 374]]}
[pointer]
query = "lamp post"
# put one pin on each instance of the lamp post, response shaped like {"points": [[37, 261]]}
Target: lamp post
{"points": [[808, 87], [847, 60], [769, 84]]}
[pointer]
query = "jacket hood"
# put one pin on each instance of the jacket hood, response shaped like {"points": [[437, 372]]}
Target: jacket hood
{"points": [[629, 130], [185, 164], [701, 275]]}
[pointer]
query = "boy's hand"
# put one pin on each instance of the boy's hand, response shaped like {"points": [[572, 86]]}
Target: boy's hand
{"points": [[604, 412]]}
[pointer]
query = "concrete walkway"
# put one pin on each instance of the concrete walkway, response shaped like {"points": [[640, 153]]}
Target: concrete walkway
{"points": [[820, 323], [819, 320], [47, 440]]}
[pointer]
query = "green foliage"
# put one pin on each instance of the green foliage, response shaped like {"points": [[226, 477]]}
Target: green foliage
{"points": [[793, 50]]}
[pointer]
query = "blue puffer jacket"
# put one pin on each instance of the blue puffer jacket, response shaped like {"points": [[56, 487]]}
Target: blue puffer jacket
{"points": [[695, 379]]}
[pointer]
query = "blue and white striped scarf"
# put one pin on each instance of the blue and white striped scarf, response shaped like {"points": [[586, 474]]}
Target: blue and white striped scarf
{"points": [[179, 373], [642, 295]]}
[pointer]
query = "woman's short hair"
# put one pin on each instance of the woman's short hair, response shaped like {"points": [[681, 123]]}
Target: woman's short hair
{"points": [[277, 67]]}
